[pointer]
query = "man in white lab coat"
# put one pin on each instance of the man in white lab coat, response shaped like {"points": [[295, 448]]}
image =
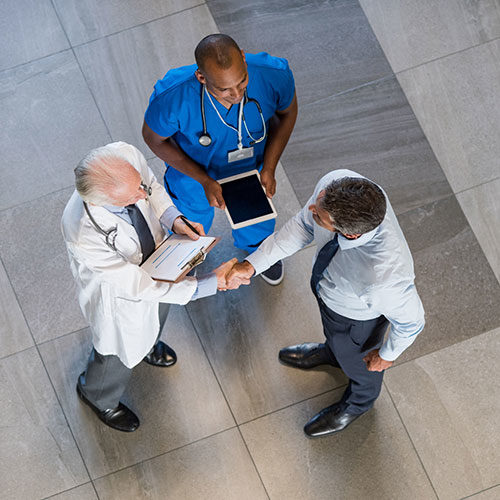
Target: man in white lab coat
{"points": [[112, 223]]}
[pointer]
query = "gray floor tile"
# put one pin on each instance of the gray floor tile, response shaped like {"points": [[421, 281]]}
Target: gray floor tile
{"points": [[86, 20], [49, 121], [84, 492], [329, 45], [176, 406], [490, 494], [36, 261], [38, 455], [413, 33], [481, 206], [214, 468], [373, 458], [453, 99], [29, 29], [373, 131], [243, 330], [458, 288], [449, 402], [14, 332], [122, 69]]}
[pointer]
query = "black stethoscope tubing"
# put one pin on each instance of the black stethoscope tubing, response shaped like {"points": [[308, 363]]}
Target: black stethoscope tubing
{"points": [[110, 235]]}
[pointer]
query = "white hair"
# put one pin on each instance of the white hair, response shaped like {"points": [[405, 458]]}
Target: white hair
{"points": [[98, 174]]}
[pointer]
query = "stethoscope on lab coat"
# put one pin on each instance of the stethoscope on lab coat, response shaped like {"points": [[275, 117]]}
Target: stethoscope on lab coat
{"points": [[206, 140], [111, 234]]}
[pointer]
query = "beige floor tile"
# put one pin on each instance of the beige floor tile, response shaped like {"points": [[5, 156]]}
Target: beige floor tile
{"points": [[215, 468], [84, 492], [413, 33], [38, 455], [491, 494], [449, 402], [454, 100], [481, 206], [373, 458], [176, 405]]}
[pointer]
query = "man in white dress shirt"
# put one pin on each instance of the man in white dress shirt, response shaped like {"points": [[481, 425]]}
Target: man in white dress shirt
{"points": [[363, 279]]}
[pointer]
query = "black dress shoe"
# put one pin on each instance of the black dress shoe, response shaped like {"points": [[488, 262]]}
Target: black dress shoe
{"points": [[120, 418], [306, 356], [329, 420], [161, 355]]}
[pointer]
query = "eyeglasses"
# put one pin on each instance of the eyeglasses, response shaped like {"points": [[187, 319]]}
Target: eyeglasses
{"points": [[147, 189]]}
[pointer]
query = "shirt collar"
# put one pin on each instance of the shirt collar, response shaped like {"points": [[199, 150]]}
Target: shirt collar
{"points": [[115, 210], [346, 243]]}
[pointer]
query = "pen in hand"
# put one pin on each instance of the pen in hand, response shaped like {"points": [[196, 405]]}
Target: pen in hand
{"points": [[190, 226]]}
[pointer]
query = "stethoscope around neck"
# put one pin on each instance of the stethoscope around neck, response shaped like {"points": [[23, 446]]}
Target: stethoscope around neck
{"points": [[206, 140], [110, 234]]}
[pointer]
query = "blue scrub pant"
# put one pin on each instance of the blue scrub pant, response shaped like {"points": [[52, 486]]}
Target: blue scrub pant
{"points": [[189, 197]]}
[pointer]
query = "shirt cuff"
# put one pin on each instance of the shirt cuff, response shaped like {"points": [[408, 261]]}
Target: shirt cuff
{"points": [[168, 217], [207, 285]]}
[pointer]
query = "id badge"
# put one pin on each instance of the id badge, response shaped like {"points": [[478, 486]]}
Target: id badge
{"points": [[239, 154]]}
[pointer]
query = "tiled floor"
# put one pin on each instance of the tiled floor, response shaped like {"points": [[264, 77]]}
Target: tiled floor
{"points": [[414, 111]]}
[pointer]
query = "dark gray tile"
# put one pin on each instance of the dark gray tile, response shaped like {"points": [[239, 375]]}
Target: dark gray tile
{"points": [[122, 69], [29, 29], [218, 467], [86, 20], [458, 287], [35, 258], [373, 131], [38, 455], [330, 45], [49, 121], [373, 458], [451, 413], [176, 405]]}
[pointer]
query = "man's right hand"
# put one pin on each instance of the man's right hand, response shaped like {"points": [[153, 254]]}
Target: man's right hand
{"points": [[240, 271], [222, 272], [213, 192]]}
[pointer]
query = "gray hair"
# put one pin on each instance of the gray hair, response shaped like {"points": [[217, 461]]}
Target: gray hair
{"points": [[98, 174], [355, 205]]}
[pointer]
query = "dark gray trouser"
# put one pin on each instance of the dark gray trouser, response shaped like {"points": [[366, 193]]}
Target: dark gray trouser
{"points": [[349, 341], [106, 377]]}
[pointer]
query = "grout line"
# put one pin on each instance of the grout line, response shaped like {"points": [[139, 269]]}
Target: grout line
{"points": [[65, 491], [446, 55], [37, 198], [63, 335], [411, 440], [481, 491], [477, 185], [17, 66]]}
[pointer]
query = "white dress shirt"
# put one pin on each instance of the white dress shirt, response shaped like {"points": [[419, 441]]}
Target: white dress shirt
{"points": [[368, 277]]}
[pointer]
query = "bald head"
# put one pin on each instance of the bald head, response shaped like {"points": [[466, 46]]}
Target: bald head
{"points": [[219, 50]]}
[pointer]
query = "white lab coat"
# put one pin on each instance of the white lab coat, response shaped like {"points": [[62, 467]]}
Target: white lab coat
{"points": [[118, 299]]}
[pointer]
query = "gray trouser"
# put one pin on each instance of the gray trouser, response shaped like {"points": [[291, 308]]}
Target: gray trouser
{"points": [[106, 377]]}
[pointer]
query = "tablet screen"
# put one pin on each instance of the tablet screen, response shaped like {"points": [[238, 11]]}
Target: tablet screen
{"points": [[245, 199]]}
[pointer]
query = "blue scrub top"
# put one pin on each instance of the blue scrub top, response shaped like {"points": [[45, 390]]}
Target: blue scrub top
{"points": [[175, 111]]}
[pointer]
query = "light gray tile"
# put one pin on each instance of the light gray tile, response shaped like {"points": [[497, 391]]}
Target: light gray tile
{"points": [[38, 456], [34, 255], [214, 468], [14, 333], [413, 33], [242, 331], [176, 405], [457, 286], [122, 69], [455, 101], [373, 458], [29, 29], [449, 402], [86, 20], [84, 492], [373, 131], [329, 45], [49, 121], [490, 494], [481, 206]]}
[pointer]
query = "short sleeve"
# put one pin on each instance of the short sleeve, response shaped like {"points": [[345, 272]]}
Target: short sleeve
{"points": [[160, 115], [284, 85]]}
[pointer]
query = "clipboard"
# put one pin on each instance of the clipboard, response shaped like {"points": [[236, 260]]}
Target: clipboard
{"points": [[176, 256]]}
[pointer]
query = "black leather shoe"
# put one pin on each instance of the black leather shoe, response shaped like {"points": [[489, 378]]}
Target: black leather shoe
{"points": [[306, 356], [120, 418], [161, 355], [329, 420]]}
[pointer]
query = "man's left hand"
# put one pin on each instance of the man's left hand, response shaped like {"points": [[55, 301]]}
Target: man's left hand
{"points": [[180, 227], [375, 363], [268, 180]]}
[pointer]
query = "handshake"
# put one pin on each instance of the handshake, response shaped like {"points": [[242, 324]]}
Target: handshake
{"points": [[232, 274]]}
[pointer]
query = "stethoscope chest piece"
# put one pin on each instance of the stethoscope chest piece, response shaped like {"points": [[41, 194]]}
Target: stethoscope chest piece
{"points": [[205, 139]]}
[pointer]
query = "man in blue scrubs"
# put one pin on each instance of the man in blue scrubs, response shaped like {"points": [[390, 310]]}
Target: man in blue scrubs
{"points": [[196, 157]]}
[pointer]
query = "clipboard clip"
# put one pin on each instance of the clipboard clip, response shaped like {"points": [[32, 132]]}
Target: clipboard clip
{"points": [[197, 259]]}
